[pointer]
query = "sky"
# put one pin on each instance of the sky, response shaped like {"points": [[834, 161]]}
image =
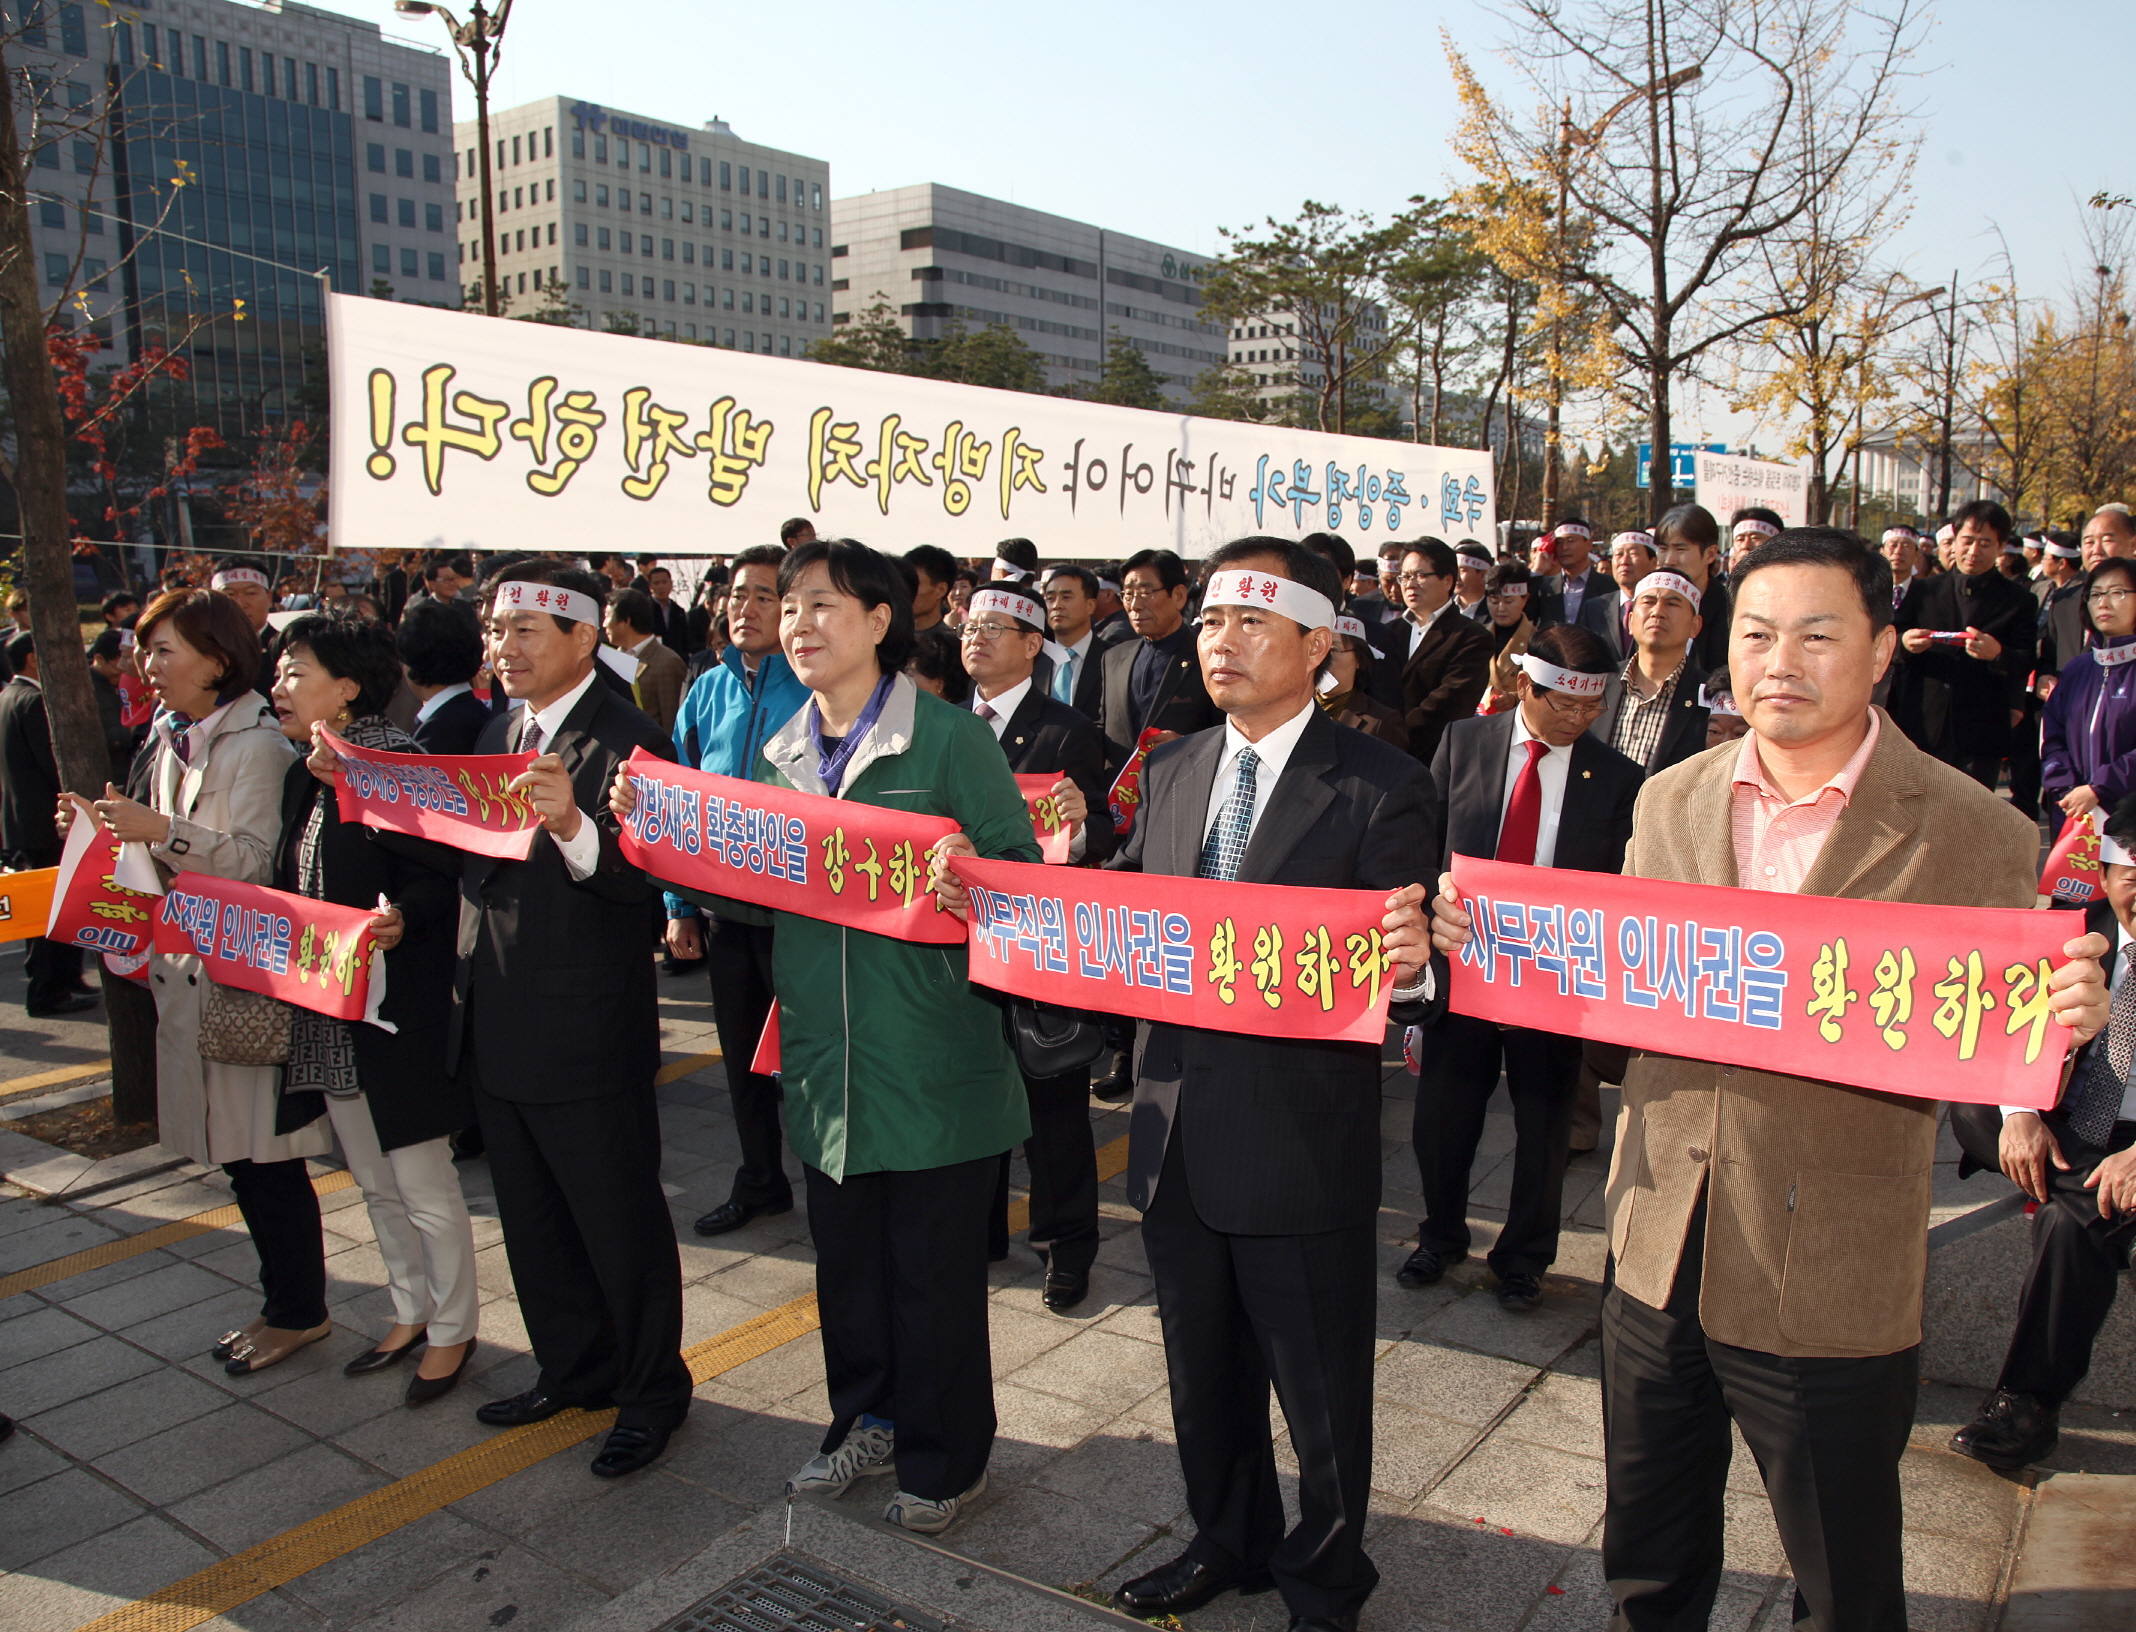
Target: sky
{"points": [[1172, 121]]}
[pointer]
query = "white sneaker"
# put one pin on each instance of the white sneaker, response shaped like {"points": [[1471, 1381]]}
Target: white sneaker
{"points": [[926, 1516], [864, 1450]]}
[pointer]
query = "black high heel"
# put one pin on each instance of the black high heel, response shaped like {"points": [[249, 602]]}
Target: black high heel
{"points": [[379, 1359], [422, 1390]]}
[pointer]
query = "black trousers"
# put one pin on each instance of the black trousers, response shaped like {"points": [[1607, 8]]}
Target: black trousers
{"points": [[1241, 1312], [901, 1290], [1064, 1176], [282, 1211], [592, 1249], [1459, 1070], [53, 969], [1827, 1435], [2025, 760], [738, 959]]}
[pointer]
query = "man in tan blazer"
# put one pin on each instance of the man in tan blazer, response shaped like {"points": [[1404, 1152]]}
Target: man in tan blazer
{"points": [[1768, 1233], [634, 629]]}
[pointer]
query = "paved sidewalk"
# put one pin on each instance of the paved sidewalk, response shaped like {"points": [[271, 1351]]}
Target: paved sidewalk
{"points": [[139, 1462]]}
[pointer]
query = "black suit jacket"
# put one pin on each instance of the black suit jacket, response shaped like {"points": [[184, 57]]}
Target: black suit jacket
{"points": [[1548, 606], [455, 727], [553, 983], [1047, 737], [1949, 704], [2061, 626], [1284, 1136], [1469, 774], [1181, 702], [1683, 735], [29, 775], [1443, 679]]}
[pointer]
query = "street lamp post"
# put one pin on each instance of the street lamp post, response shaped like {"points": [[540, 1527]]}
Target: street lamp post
{"points": [[479, 37]]}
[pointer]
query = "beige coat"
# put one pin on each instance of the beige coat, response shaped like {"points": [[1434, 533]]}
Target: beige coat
{"points": [[662, 679], [1818, 1195], [226, 814]]}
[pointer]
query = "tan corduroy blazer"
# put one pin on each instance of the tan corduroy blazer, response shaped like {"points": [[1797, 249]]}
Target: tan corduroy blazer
{"points": [[1817, 1217]]}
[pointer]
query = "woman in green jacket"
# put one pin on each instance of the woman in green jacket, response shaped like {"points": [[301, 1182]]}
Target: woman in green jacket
{"points": [[901, 1092]]}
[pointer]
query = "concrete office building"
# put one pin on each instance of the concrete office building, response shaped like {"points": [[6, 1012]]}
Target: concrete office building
{"points": [[1282, 363], [684, 234], [279, 116], [940, 257]]}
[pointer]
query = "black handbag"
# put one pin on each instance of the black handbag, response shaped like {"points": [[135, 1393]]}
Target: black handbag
{"points": [[1050, 1041]]}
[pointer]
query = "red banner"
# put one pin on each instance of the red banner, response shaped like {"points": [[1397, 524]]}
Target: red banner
{"points": [[2072, 876], [1126, 793], [456, 799], [1266, 959], [836, 859], [311, 953], [1934, 1002], [90, 908], [1054, 835]]}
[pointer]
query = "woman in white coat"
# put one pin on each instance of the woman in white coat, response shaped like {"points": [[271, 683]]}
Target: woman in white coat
{"points": [[216, 807]]}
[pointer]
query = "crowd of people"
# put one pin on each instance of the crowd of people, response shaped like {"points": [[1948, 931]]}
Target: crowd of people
{"points": [[1758, 707]]}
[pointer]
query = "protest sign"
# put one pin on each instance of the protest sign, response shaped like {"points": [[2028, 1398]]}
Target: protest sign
{"points": [[457, 799], [451, 425], [1727, 482], [1054, 835], [314, 954], [1266, 959], [1126, 795], [845, 862], [90, 907], [2073, 876], [26, 903], [1933, 1002]]}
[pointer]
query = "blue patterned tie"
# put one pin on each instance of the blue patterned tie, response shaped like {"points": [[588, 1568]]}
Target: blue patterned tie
{"points": [[1064, 680], [2094, 1104], [1225, 847]]}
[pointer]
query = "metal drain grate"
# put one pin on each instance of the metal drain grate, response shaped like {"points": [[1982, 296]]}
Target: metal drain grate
{"points": [[789, 1594]]}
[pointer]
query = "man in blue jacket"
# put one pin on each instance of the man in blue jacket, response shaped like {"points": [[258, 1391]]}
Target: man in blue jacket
{"points": [[728, 714]]}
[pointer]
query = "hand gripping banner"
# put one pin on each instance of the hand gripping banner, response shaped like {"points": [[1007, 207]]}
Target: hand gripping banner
{"points": [[1054, 835], [91, 908], [1268, 959], [1932, 1002], [2073, 875], [835, 859], [314, 954], [456, 799]]}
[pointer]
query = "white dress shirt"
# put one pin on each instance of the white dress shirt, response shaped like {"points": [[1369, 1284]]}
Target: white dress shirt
{"points": [[582, 852], [439, 699], [1003, 705], [1274, 751], [1551, 770], [1417, 630]]}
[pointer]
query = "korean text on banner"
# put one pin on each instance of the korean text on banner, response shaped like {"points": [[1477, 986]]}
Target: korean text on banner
{"points": [[845, 862], [457, 799], [90, 907], [1054, 835], [1932, 1002], [494, 433], [2073, 876], [311, 953], [26, 903], [1126, 796], [1727, 483], [1268, 959]]}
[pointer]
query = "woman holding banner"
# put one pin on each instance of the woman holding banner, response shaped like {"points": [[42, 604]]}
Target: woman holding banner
{"points": [[2088, 729], [386, 1093], [217, 766], [901, 1092]]}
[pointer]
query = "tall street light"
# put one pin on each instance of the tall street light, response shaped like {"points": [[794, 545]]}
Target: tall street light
{"points": [[479, 37], [1569, 137]]}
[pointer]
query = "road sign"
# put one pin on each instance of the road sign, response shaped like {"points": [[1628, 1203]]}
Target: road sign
{"points": [[1681, 473]]}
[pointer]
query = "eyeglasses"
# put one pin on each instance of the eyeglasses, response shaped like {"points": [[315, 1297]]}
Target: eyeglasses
{"points": [[1409, 580], [1573, 708], [988, 631], [2108, 597], [1134, 593]]}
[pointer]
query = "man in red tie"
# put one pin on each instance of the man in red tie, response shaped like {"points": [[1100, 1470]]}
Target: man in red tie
{"points": [[1531, 786]]}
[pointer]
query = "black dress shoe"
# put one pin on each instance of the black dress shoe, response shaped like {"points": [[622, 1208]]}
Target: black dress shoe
{"points": [[1065, 1288], [67, 1003], [379, 1359], [1181, 1587], [2013, 1431], [1519, 1293], [467, 1144], [422, 1390], [532, 1406], [1426, 1267], [1324, 1623], [1118, 1083], [7, 1427], [628, 1450], [732, 1215]]}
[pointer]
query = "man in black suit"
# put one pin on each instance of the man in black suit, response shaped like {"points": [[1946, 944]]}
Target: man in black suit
{"points": [[1608, 615], [555, 1026], [1071, 596], [1443, 661], [29, 833], [243, 581], [1530, 785], [1153, 681], [440, 645], [1001, 639], [1958, 699], [1561, 596], [673, 621], [1651, 711], [2078, 1161], [1256, 1161]]}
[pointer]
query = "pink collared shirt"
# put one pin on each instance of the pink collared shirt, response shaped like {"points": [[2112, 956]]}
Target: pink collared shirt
{"points": [[1777, 840]]}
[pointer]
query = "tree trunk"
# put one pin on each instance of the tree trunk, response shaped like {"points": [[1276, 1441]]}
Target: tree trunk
{"points": [[1661, 469], [41, 479], [130, 1016]]}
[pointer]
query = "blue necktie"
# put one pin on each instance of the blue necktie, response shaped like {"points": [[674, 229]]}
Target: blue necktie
{"points": [[1225, 847], [1064, 680]]}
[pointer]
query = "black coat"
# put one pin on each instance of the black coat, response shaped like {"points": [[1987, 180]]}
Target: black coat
{"points": [[29, 775], [455, 727], [1954, 706], [1548, 606], [1047, 737], [411, 1095], [553, 986], [2061, 628], [1180, 703], [1443, 679], [1285, 1136], [1469, 774]]}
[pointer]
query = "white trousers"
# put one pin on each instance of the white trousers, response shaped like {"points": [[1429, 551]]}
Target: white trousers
{"points": [[420, 1219]]}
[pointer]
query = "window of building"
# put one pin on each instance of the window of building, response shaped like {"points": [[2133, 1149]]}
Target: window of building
{"points": [[784, 310], [728, 340], [48, 156], [819, 311], [689, 331], [92, 221], [378, 208], [515, 149], [689, 294], [726, 220], [726, 185], [548, 148], [31, 23], [645, 245], [244, 68], [585, 277], [381, 258], [551, 185], [645, 156], [607, 280], [522, 283], [311, 83], [522, 244], [333, 89], [500, 152], [748, 263], [404, 163], [667, 162], [84, 157], [222, 62], [689, 253], [600, 195], [748, 339], [407, 211], [519, 198], [763, 226], [747, 227], [51, 213], [786, 345], [578, 151], [374, 98], [73, 32], [578, 192], [433, 168], [726, 299], [580, 234], [782, 232], [552, 232], [428, 102], [667, 288], [815, 238], [748, 301], [402, 118], [433, 218], [667, 249], [782, 269], [840, 284], [630, 284], [437, 266], [667, 208], [600, 150], [603, 239], [704, 172], [408, 263], [818, 280], [645, 203], [56, 270], [726, 260], [782, 189], [468, 172], [815, 198]]}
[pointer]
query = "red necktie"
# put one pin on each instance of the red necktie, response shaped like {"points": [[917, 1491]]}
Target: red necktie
{"points": [[1524, 811]]}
